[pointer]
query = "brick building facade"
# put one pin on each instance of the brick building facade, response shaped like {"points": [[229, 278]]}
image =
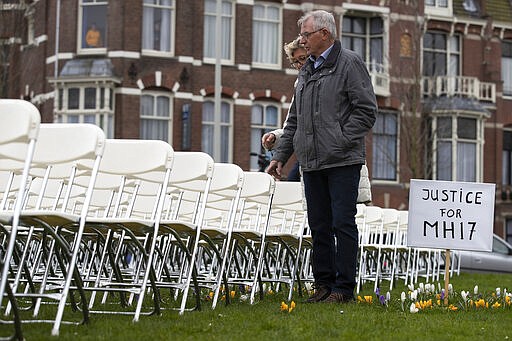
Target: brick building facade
{"points": [[442, 72]]}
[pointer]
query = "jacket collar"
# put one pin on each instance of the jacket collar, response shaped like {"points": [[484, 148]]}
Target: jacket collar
{"points": [[329, 62]]}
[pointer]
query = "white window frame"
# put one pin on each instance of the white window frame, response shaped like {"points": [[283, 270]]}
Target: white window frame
{"points": [[455, 143], [103, 115], [506, 71], [217, 139], [279, 38], [379, 152], [379, 72], [439, 8], [225, 17], [449, 52], [81, 33], [172, 33], [166, 120], [262, 128], [506, 161]]}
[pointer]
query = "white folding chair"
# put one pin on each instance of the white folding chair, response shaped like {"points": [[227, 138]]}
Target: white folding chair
{"points": [[184, 216], [19, 129], [136, 173], [288, 223], [369, 244], [253, 218], [62, 153]]}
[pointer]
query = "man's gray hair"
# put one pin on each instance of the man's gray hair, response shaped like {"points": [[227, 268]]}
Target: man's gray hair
{"points": [[321, 19]]}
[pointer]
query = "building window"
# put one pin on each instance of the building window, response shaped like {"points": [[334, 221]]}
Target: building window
{"points": [[506, 68], [439, 7], [266, 39], [86, 103], [365, 36], [210, 12], [508, 227], [93, 25], [155, 117], [437, 3], [458, 143], [158, 26], [441, 54], [385, 139], [507, 159], [264, 118], [217, 132]]}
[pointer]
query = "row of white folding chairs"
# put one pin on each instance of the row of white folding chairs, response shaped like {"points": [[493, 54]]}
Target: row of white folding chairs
{"points": [[122, 216], [383, 250]]}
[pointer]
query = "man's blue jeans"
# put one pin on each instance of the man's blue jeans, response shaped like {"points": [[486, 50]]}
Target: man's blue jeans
{"points": [[331, 196]]}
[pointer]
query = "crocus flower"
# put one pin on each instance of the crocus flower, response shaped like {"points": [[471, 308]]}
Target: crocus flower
{"points": [[284, 306], [496, 305], [402, 296], [464, 295], [475, 290], [413, 308]]}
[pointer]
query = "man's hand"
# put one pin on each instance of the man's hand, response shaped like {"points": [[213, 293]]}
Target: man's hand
{"points": [[274, 169], [268, 140]]}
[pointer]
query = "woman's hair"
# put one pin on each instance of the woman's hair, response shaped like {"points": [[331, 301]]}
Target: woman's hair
{"points": [[292, 46]]}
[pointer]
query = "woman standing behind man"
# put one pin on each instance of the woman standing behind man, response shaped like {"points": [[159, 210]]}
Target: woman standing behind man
{"points": [[297, 55]]}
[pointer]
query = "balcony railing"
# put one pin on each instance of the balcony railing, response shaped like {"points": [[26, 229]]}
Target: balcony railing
{"points": [[459, 86], [380, 79]]}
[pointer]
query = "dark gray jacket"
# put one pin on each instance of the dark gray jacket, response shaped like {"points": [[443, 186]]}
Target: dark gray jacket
{"points": [[334, 109]]}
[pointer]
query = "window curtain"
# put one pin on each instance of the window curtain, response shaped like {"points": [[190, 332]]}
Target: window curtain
{"points": [[147, 28], [225, 132], [466, 161], [165, 27], [506, 75], [385, 147], [209, 29], [207, 128], [444, 161], [265, 35]]}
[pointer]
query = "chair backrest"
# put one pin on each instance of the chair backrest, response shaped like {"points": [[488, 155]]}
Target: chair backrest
{"points": [[134, 172], [19, 128], [287, 212], [189, 186], [224, 195], [63, 153], [257, 195]]}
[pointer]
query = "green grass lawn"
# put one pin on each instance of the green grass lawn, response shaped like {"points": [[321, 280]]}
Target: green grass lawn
{"points": [[265, 320]]}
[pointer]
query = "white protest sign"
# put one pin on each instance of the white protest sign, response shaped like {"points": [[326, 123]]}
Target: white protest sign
{"points": [[451, 215]]}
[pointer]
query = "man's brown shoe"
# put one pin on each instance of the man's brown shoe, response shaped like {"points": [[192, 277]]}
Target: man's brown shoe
{"points": [[320, 294], [338, 297]]}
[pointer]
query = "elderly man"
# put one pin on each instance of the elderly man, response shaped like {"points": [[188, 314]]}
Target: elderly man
{"points": [[334, 109]]}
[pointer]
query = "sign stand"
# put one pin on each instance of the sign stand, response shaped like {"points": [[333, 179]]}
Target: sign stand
{"points": [[446, 275]]}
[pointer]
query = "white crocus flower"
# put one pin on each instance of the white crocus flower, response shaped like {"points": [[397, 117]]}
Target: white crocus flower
{"points": [[421, 288], [413, 308], [450, 288], [414, 295], [475, 290], [411, 287], [403, 296], [498, 292], [464, 295]]}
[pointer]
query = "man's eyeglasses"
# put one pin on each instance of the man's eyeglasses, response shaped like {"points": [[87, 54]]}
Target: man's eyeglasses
{"points": [[299, 61], [306, 35]]}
